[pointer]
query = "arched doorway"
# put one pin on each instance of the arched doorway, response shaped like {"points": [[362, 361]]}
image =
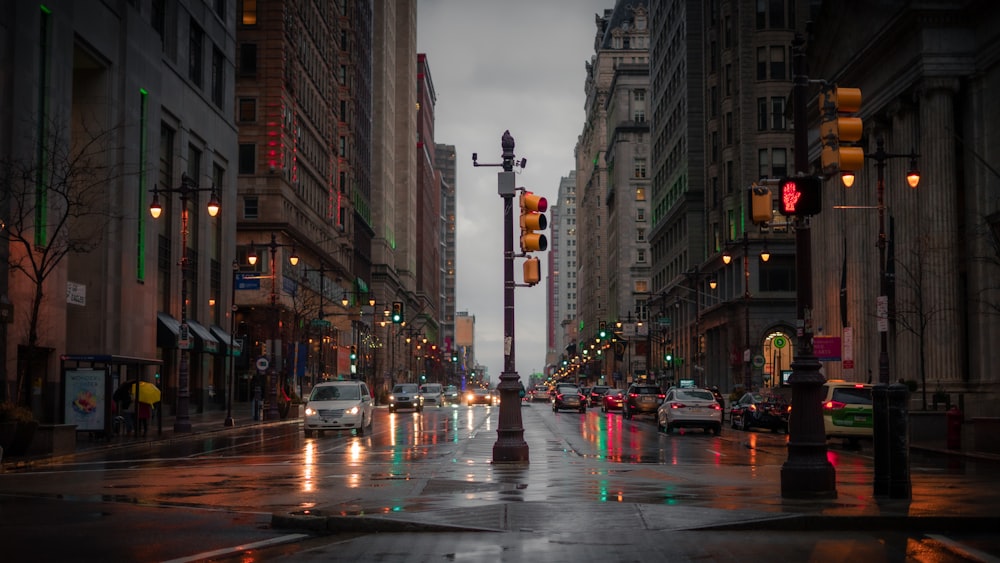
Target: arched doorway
{"points": [[778, 353]]}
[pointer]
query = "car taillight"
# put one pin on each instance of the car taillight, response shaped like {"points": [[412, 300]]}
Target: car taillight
{"points": [[833, 405], [859, 385], [717, 407], [677, 405], [753, 407], [559, 396], [633, 395], [661, 396]]}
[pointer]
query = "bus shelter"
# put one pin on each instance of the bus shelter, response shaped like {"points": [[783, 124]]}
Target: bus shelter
{"points": [[87, 386]]}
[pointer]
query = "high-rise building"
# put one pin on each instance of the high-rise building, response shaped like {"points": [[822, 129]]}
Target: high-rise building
{"points": [[445, 162], [103, 106], [562, 273]]}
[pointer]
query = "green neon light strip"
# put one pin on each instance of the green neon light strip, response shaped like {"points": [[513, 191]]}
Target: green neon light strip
{"points": [[140, 266]]}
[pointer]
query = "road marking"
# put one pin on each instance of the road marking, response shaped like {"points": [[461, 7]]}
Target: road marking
{"points": [[238, 548]]}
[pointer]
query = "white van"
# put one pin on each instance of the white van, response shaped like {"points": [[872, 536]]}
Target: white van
{"points": [[433, 394]]}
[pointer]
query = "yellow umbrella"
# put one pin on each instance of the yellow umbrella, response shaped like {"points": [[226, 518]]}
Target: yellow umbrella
{"points": [[148, 393]]}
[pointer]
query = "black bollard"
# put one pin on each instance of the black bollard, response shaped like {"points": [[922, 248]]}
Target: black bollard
{"points": [[880, 438], [899, 447]]}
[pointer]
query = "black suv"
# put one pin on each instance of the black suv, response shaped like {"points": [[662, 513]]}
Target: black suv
{"points": [[641, 398]]}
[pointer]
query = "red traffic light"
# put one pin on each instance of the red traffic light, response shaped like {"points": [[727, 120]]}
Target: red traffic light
{"points": [[801, 196]]}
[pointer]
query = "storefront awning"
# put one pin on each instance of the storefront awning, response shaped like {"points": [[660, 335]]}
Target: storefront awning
{"points": [[224, 339], [207, 341]]}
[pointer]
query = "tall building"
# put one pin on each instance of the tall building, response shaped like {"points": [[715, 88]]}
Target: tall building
{"points": [[445, 162], [304, 92], [428, 211], [394, 170], [562, 274], [926, 73], [116, 107], [611, 174], [720, 127]]}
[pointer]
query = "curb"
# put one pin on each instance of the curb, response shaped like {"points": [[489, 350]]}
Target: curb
{"points": [[817, 523], [318, 523]]}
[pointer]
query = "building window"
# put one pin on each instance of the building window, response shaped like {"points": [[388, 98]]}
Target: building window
{"points": [[195, 54], [763, 164], [640, 255], [248, 59], [761, 63], [640, 116], [640, 167], [761, 14], [640, 193], [640, 235], [343, 146], [776, 13], [729, 79], [761, 114], [218, 78], [639, 95], [250, 207], [248, 110], [713, 101], [247, 158], [779, 165], [640, 214], [730, 177], [778, 63], [778, 121], [729, 128], [248, 12]]}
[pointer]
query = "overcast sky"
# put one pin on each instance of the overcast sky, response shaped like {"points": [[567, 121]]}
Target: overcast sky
{"points": [[513, 65]]}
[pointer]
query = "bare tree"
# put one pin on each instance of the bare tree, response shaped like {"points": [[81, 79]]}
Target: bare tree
{"points": [[57, 201], [915, 311]]}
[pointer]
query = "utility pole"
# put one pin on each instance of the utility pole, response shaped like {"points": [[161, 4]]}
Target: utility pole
{"points": [[510, 446], [806, 473]]}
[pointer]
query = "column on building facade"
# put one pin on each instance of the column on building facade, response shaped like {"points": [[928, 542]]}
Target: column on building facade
{"points": [[938, 229]]}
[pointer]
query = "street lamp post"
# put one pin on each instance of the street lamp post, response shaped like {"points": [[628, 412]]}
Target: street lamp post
{"points": [[273, 246], [232, 340], [747, 351], [320, 320], [186, 191]]}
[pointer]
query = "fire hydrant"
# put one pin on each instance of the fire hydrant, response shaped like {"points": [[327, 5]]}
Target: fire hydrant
{"points": [[954, 430]]}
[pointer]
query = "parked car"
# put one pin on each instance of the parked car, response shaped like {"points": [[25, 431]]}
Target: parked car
{"points": [[432, 394], [760, 410], [612, 400], [641, 398], [479, 396], [847, 410], [339, 405], [689, 408], [406, 396], [596, 394], [569, 398]]}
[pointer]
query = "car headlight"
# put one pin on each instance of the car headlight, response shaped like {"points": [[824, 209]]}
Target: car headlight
{"points": [[310, 411], [353, 410], [392, 398]]}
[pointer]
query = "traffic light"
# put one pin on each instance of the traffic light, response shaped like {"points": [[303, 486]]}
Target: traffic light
{"points": [[836, 129], [533, 270], [354, 352], [602, 329], [397, 312], [760, 204], [533, 219], [801, 196]]}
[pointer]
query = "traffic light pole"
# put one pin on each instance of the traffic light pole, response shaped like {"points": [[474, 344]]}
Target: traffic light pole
{"points": [[510, 446], [807, 473]]}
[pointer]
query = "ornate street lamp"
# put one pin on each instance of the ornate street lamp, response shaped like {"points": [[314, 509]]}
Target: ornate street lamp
{"points": [[186, 191], [232, 339], [293, 259]]}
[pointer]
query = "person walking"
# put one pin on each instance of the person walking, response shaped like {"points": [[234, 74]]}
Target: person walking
{"points": [[145, 413]]}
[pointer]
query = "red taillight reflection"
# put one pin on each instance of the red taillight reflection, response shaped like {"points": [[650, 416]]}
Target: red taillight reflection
{"points": [[833, 405]]}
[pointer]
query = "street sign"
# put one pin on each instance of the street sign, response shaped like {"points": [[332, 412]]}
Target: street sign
{"points": [[184, 336], [758, 361], [320, 322], [663, 321], [779, 342], [262, 364]]}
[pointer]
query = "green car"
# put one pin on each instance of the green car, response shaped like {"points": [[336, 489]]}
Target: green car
{"points": [[847, 410]]}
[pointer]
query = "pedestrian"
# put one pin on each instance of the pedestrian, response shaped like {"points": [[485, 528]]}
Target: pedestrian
{"points": [[145, 413]]}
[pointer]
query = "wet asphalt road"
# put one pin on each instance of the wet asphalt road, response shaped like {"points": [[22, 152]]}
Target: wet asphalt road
{"points": [[211, 496]]}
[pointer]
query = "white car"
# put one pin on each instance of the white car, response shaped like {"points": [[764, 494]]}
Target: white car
{"points": [[339, 405], [433, 394], [689, 408]]}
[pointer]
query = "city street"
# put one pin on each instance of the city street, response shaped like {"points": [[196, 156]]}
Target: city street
{"points": [[597, 486]]}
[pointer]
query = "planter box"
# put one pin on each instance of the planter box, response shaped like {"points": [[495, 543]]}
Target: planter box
{"points": [[53, 439]]}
